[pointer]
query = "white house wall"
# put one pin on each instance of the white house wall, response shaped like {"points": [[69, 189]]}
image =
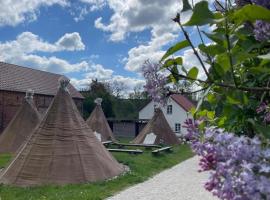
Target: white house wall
{"points": [[179, 115]]}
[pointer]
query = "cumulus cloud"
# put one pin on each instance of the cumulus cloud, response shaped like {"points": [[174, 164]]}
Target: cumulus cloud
{"points": [[71, 42], [13, 13], [138, 15], [190, 60], [97, 71], [151, 51], [23, 51]]}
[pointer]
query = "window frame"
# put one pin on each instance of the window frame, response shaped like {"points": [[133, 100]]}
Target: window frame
{"points": [[169, 109], [177, 127]]}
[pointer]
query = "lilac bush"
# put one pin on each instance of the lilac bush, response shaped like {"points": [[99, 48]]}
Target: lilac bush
{"points": [[264, 110], [239, 166], [237, 80], [155, 82]]}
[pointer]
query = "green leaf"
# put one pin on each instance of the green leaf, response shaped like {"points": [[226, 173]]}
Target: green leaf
{"points": [[232, 100], [210, 115], [212, 49], [186, 6], [175, 48], [224, 61], [251, 13], [193, 73], [219, 38], [201, 15], [173, 61]]}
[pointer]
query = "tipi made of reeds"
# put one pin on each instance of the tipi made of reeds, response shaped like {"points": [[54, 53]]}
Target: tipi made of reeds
{"points": [[159, 128], [21, 126], [61, 150], [98, 122]]}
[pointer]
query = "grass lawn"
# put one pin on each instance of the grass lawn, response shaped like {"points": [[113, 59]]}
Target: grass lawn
{"points": [[142, 167]]}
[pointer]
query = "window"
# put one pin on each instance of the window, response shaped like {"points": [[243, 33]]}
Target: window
{"points": [[177, 128], [169, 109]]}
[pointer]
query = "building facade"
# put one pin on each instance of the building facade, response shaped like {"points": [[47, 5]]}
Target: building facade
{"points": [[126, 128], [176, 112], [16, 80]]}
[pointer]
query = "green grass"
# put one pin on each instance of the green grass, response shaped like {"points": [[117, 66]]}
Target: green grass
{"points": [[4, 159], [142, 167]]}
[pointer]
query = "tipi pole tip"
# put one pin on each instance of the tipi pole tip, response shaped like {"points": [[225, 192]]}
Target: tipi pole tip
{"points": [[63, 83], [98, 101], [29, 94]]}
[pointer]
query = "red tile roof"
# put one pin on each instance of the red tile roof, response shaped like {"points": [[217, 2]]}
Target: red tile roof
{"points": [[183, 101], [18, 78]]}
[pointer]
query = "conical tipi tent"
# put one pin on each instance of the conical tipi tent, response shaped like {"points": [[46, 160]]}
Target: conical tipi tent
{"points": [[21, 126], [61, 150], [98, 123], [157, 131]]}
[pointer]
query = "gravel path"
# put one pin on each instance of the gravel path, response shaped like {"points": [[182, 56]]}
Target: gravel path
{"points": [[182, 182]]}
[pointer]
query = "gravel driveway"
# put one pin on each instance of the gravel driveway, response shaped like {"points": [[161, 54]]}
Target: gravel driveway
{"points": [[181, 182]]}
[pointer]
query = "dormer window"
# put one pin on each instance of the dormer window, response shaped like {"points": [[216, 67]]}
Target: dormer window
{"points": [[169, 109]]}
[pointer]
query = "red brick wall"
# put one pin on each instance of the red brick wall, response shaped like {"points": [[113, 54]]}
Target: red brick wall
{"points": [[11, 101]]}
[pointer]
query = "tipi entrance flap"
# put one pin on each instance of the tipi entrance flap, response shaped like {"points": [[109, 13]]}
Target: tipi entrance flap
{"points": [[98, 135], [150, 138]]}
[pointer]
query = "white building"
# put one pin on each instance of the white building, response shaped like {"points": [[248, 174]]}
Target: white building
{"points": [[176, 112]]}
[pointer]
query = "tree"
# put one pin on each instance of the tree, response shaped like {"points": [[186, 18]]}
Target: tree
{"points": [[138, 93], [98, 90]]}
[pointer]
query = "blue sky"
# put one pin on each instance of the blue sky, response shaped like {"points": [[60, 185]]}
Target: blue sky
{"points": [[86, 39]]}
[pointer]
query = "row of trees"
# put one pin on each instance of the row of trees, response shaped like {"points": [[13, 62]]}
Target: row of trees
{"points": [[115, 103]]}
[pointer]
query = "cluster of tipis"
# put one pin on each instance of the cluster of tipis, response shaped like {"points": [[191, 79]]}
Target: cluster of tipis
{"points": [[61, 148]]}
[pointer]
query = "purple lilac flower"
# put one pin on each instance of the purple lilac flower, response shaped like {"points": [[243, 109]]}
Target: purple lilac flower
{"points": [[239, 166], [155, 82], [262, 28], [264, 109]]}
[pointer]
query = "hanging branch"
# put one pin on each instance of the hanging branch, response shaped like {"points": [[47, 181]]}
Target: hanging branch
{"points": [[177, 20]]}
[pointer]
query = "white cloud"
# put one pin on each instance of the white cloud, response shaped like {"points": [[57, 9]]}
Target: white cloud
{"points": [[23, 51], [71, 42], [151, 51], [28, 42], [97, 71], [14, 12], [80, 10], [190, 60], [138, 15]]}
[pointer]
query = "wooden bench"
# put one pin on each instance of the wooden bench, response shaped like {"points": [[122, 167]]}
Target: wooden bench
{"points": [[146, 146], [130, 151], [163, 149]]}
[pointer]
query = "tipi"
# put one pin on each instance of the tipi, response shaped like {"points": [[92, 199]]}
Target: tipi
{"points": [[98, 123], [21, 126], [61, 150], [157, 130]]}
